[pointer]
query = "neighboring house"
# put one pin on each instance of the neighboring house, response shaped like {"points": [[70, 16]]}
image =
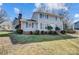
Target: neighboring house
{"points": [[39, 21], [6, 26], [69, 25], [5, 23], [76, 25]]}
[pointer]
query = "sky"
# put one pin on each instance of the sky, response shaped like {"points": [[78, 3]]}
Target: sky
{"points": [[13, 9], [27, 9]]}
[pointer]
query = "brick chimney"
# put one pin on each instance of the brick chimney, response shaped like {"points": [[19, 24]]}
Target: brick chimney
{"points": [[19, 18]]}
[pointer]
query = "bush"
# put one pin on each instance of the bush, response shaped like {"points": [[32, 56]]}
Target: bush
{"points": [[57, 28], [54, 32], [49, 27], [31, 32], [71, 31], [42, 32], [63, 32], [45, 32], [19, 31], [37, 32], [50, 32]]}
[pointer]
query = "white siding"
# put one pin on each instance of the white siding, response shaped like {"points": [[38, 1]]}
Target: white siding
{"points": [[35, 16], [29, 28], [51, 20]]}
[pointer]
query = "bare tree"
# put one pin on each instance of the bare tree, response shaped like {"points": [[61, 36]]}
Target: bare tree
{"points": [[3, 15], [67, 18]]}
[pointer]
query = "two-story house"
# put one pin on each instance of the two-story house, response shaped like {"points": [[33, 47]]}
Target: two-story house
{"points": [[40, 20]]}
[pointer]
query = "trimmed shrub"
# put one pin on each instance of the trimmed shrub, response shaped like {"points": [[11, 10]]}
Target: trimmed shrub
{"points": [[45, 32], [57, 28], [49, 28], [37, 32], [31, 32], [50, 32], [42, 32], [54, 32], [71, 31], [63, 32], [19, 31]]}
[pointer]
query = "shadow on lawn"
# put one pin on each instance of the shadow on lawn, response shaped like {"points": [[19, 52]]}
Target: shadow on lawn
{"points": [[22, 39]]}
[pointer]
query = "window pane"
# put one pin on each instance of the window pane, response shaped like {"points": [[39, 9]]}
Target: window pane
{"points": [[36, 25], [40, 15], [56, 18], [32, 25], [47, 16], [26, 24], [41, 25]]}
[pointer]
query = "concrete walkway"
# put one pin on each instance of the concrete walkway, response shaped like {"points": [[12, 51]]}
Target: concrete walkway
{"points": [[74, 35]]}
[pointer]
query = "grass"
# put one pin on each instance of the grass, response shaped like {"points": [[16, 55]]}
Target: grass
{"points": [[40, 45], [16, 38], [47, 45], [4, 34]]}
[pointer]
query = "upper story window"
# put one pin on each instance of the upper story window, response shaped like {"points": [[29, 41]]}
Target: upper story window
{"points": [[60, 19], [41, 15], [56, 18], [26, 24], [44, 16]]}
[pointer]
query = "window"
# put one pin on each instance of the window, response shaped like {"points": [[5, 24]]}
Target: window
{"points": [[36, 25], [26, 24], [56, 18], [41, 15], [40, 25], [60, 19], [32, 25], [47, 16], [8, 27]]}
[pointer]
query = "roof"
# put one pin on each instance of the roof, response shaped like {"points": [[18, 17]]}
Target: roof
{"points": [[76, 21], [6, 23], [30, 20]]}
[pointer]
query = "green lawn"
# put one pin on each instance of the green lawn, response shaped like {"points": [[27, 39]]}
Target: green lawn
{"points": [[46, 44], [40, 45], [4, 33], [16, 38]]}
